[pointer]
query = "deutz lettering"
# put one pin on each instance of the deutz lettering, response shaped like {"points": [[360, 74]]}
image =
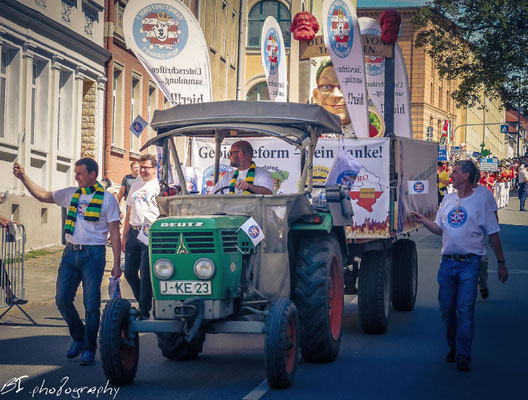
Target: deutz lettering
{"points": [[181, 224]]}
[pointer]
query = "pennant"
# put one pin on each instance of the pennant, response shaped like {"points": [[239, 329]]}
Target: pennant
{"points": [[273, 58], [418, 187], [253, 230], [168, 41], [143, 235], [138, 126], [343, 41]]}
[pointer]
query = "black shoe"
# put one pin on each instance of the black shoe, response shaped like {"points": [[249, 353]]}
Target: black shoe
{"points": [[74, 350], [463, 365], [87, 358], [450, 356], [13, 301], [484, 292]]}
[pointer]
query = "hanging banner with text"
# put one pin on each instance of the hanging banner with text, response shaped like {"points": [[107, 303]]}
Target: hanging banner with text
{"points": [[274, 59], [343, 41], [402, 98], [166, 38]]}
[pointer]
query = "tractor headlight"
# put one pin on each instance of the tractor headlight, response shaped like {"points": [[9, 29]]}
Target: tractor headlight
{"points": [[204, 268], [163, 268]]}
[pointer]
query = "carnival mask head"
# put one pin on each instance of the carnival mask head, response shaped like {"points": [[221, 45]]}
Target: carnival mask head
{"points": [[390, 25], [304, 26], [328, 93]]}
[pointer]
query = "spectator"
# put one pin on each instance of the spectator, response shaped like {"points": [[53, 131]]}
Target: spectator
{"points": [[128, 181], [523, 180]]}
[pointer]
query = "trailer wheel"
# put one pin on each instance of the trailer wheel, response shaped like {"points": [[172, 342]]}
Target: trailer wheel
{"points": [[319, 297], [119, 350], [374, 292], [281, 346], [404, 275], [174, 346]]}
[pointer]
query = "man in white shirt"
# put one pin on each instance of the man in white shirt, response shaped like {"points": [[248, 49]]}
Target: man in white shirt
{"points": [[247, 177], [92, 213], [523, 183], [142, 211], [462, 220]]}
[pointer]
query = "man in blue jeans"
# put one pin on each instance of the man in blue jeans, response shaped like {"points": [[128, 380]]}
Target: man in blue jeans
{"points": [[464, 217], [92, 213]]}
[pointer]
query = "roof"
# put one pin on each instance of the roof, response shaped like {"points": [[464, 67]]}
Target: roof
{"points": [[291, 122]]}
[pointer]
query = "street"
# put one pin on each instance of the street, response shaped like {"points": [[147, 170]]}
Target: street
{"points": [[405, 363]]}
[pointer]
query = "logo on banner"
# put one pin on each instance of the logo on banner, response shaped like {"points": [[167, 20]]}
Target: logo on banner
{"points": [[347, 178], [160, 31], [374, 66], [208, 177], [273, 49], [419, 187], [192, 185], [340, 30], [457, 217], [253, 231]]}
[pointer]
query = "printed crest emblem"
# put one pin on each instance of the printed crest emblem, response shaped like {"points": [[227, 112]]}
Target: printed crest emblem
{"points": [[419, 187], [340, 32], [272, 51], [347, 178], [457, 217], [181, 248], [253, 231], [160, 31]]}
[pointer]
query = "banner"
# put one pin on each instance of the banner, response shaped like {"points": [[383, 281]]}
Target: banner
{"points": [[273, 58], [343, 41], [402, 98], [166, 38]]}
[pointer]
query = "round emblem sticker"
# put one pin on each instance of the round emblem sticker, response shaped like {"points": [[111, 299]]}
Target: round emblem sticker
{"points": [[457, 217], [160, 31], [419, 187], [347, 178], [253, 231], [340, 31], [272, 51]]}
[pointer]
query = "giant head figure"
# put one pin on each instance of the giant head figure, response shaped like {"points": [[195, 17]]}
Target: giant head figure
{"points": [[390, 25], [304, 26], [328, 93]]}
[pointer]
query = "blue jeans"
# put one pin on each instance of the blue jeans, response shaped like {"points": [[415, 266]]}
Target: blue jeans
{"points": [[86, 266], [522, 195], [456, 296], [137, 260]]}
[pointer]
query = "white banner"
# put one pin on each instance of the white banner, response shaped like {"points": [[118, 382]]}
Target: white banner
{"points": [[374, 66], [343, 41], [402, 98], [273, 58], [166, 38]]}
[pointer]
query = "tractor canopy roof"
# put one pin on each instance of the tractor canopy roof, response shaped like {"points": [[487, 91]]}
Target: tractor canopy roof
{"points": [[291, 122]]}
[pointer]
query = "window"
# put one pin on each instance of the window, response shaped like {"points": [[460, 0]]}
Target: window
{"points": [[39, 103], [135, 110], [3, 88], [259, 13], [117, 108], [259, 92], [65, 111], [9, 92]]}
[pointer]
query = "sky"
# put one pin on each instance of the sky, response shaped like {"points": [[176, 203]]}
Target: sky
{"points": [[390, 3]]}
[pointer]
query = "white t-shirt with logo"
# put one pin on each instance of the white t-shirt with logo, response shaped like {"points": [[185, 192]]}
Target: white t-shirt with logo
{"points": [[262, 178], [464, 222], [142, 202], [88, 232]]}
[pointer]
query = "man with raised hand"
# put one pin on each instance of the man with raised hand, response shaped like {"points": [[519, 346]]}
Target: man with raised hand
{"points": [[92, 213]]}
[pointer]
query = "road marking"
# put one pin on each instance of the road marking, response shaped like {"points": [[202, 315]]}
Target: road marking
{"points": [[513, 271], [258, 392], [354, 300]]}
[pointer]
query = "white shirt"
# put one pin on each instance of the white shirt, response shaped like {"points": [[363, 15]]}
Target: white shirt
{"points": [[142, 202], [262, 178], [464, 222], [522, 175], [88, 232]]}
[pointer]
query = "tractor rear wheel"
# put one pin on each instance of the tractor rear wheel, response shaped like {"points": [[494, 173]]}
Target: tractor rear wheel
{"points": [[119, 349], [319, 297], [174, 346], [404, 275]]}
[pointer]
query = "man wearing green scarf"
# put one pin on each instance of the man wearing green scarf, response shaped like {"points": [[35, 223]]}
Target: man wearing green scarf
{"points": [[92, 213]]}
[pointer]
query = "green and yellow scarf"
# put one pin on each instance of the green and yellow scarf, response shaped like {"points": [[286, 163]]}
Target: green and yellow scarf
{"points": [[93, 212], [250, 178]]}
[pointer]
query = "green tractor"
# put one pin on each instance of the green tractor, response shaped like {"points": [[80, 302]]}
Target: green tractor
{"points": [[208, 277]]}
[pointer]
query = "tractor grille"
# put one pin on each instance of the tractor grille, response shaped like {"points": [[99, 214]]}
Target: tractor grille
{"points": [[165, 242], [200, 242], [196, 242], [229, 241]]}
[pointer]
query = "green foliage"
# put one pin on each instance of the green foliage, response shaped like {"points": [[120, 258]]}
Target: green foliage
{"points": [[480, 43]]}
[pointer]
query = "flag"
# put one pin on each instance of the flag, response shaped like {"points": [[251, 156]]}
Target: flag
{"points": [[253, 230], [447, 131], [273, 58], [138, 126], [418, 187]]}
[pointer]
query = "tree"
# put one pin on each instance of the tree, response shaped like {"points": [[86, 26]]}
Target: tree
{"points": [[480, 43]]}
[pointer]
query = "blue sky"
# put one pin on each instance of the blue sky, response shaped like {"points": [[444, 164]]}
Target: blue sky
{"points": [[390, 3]]}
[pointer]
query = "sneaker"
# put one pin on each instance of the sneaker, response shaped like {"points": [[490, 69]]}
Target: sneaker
{"points": [[87, 358], [463, 365], [450, 356], [484, 292], [74, 350], [13, 301]]}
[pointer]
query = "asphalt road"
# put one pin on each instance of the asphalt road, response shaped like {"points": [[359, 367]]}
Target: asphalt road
{"points": [[405, 363]]}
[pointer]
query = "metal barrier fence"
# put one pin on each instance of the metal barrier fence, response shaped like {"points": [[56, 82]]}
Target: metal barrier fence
{"points": [[12, 252]]}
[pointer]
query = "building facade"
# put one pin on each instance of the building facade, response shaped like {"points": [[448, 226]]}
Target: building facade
{"points": [[52, 82]]}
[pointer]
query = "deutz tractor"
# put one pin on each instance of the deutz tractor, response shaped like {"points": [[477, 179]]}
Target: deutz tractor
{"points": [[208, 277]]}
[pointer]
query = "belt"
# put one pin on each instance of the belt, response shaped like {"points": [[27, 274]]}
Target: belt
{"points": [[77, 247], [460, 257], [136, 228]]}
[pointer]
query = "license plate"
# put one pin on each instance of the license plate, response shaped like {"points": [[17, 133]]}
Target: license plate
{"points": [[186, 287]]}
